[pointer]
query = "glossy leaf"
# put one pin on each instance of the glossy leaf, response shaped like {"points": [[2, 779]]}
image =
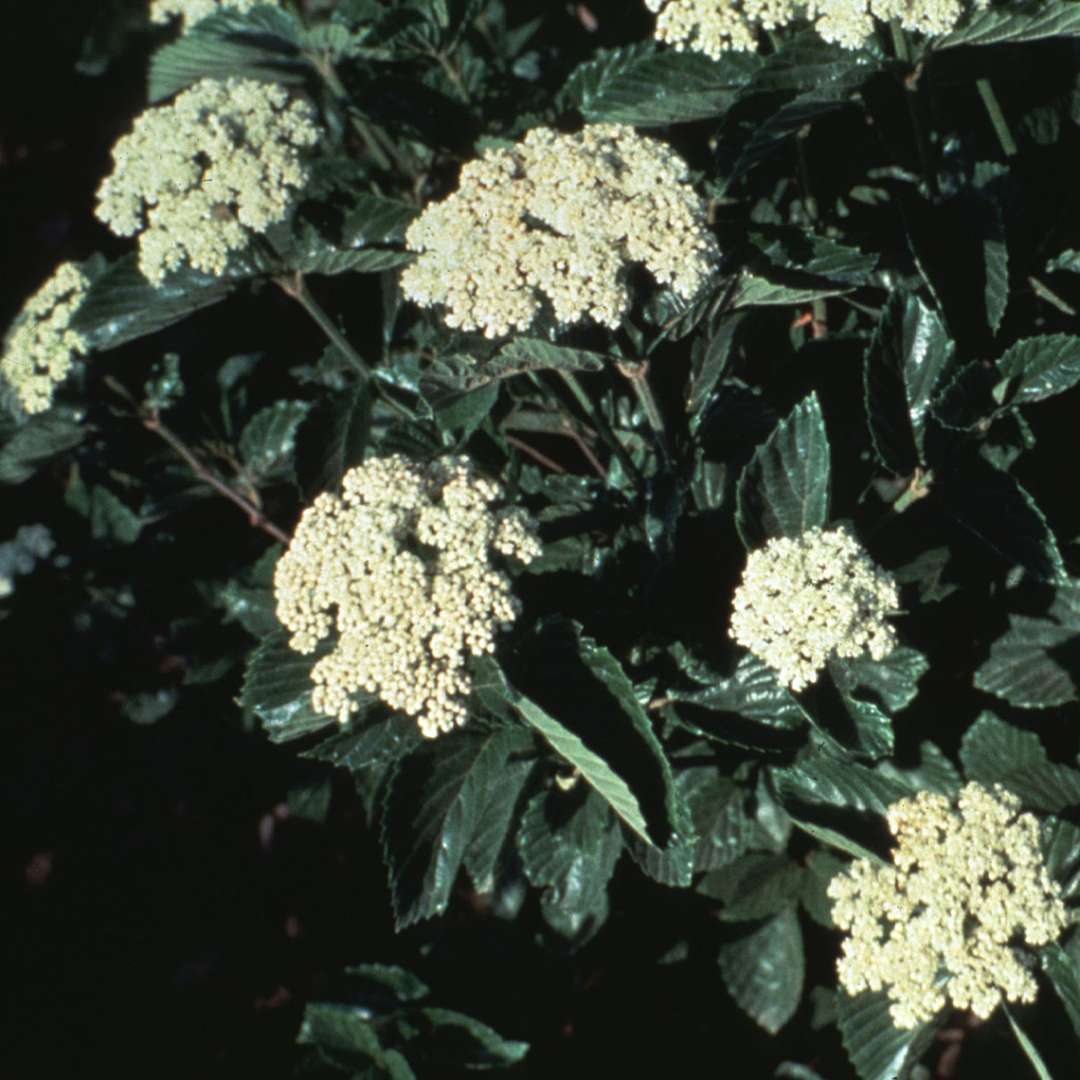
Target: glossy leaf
{"points": [[784, 490], [1061, 970], [877, 1049], [268, 442], [1037, 368], [332, 439], [765, 970], [436, 800], [909, 353], [43, 436], [1025, 21]]}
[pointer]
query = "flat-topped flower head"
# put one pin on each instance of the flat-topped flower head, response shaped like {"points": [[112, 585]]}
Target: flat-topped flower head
{"points": [[41, 346], [397, 572], [802, 601], [192, 11], [559, 218], [714, 27], [944, 923], [198, 178]]}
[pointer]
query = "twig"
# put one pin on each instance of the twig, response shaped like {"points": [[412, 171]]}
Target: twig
{"points": [[637, 376], [535, 454]]}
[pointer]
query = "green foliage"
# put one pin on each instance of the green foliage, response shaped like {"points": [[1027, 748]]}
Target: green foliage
{"points": [[888, 342]]}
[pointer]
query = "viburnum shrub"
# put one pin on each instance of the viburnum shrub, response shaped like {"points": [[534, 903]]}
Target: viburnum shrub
{"points": [[633, 443]]}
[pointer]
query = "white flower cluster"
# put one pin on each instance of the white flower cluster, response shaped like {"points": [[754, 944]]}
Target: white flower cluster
{"points": [[31, 544], [559, 217], [191, 11], [717, 26], [938, 924], [41, 345], [400, 565], [802, 601], [198, 177]]}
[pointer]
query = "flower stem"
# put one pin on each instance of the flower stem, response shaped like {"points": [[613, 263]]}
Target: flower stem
{"points": [[295, 286], [997, 117], [638, 377]]}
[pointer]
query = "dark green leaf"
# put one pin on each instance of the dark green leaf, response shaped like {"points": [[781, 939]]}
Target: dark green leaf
{"points": [[375, 219], [435, 802], [753, 692], [373, 746], [648, 86], [569, 844], [569, 746], [894, 680], [877, 1049], [1037, 368], [756, 886], [332, 439], [1062, 972], [269, 439], [347, 1034], [262, 44], [909, 352], [993, 505], [993, 752], [165, 387], [1027, 665], [532, 354], [784, 490], [824, 779], [1060, 842], [452, 1039], [42, 437], [121, 305], [111, 518], [277, 689], [1015, 22], [765, 970]]}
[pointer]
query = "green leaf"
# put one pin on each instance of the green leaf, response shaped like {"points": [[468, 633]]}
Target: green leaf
{"points": [[903, 364], [996, 508], [262, 44], [756, 886], [752, 692], [385, 984], [765, 971], [1015, 22], [569, 844], [494, 831], [375, 219], [111, 519], [1037, 368], [877, 1049], [894, 680], [121, 305], [456, 409], [1068, 260], [1028, 1047], [993, 752], [1060, 841], [332, 439], [837, 840], [935, 772], [794, 269], [648, 86], [532, 354], [1028, 666], [436, 800], [1062, 973], [450, 1038], [373, 746], [269, 440], [784, 490], [42, 437], [277, 689], [347, 1035], [824, 779]]}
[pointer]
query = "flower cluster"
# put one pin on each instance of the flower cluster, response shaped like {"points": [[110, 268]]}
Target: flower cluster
{"points": [[559, 217], [192, 11], [198, 177], [400, 565], [938, 924], [802, 601], [41, 344], [717, 26]]}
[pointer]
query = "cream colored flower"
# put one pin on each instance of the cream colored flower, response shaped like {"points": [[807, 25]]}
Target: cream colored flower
{"points": [[802, 601], [197, 178], [944, 923], [400, 567], [41, 346], [559, 218], [192, 11], [714, 27]]}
